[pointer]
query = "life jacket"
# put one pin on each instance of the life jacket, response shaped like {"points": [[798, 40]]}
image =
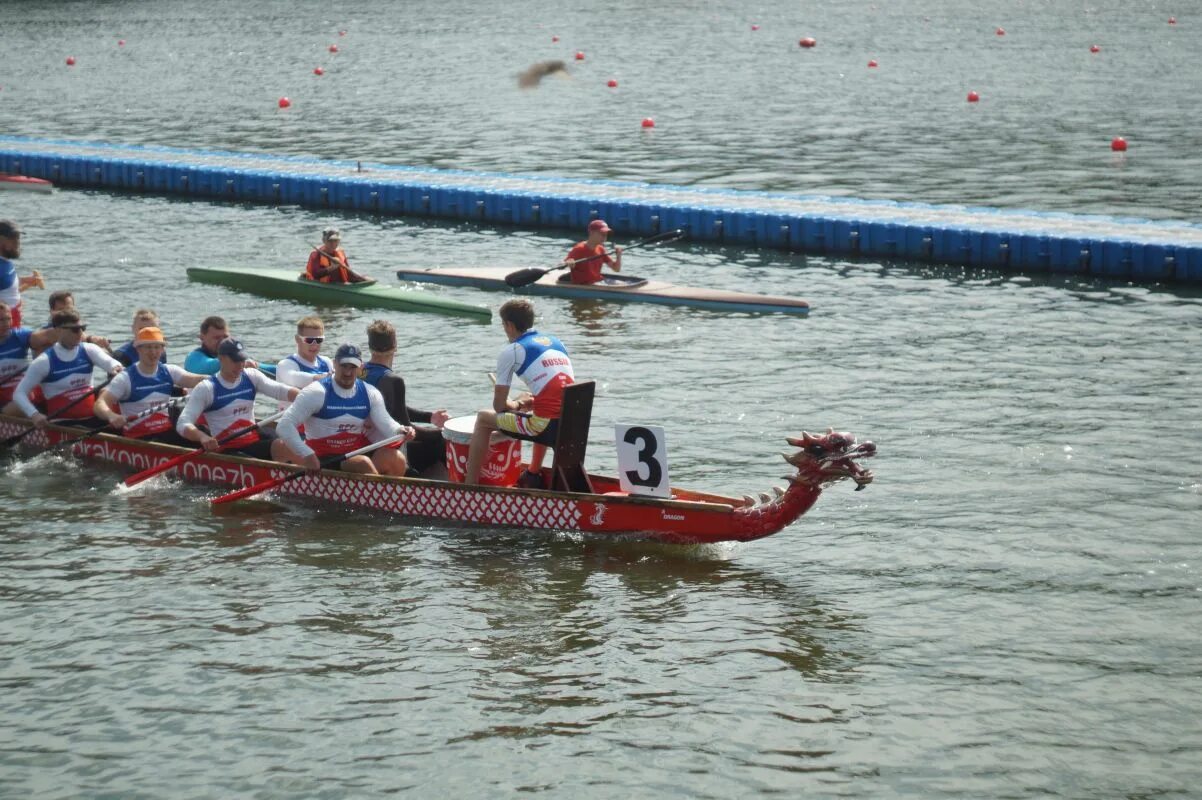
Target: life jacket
{"points": [[325, 261]]}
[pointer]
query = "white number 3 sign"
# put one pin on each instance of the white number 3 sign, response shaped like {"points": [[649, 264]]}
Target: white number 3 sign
{"points": [[642, 460]]}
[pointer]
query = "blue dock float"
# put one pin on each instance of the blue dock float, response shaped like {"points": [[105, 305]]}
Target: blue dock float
{"points": [[1020, 241]]}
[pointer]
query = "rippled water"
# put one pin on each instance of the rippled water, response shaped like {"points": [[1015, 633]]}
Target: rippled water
{"points": [[1011, 611]]}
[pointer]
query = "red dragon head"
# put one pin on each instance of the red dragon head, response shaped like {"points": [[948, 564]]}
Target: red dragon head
{"points": [[828, 458]]}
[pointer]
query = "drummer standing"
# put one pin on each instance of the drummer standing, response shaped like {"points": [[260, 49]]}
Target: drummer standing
{"points": [[543, 364]]}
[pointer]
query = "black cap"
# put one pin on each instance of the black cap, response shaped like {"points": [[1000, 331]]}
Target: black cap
{"points": [[233, 349], [348, 354], [9, 229]]}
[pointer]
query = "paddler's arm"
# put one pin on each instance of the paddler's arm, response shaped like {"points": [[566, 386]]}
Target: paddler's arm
{"points": [[616, 263], [198, 401], [308, 403], [30, 281], [273, 389], [41, 339], [34, 375], [501, 402], [103, 409]]}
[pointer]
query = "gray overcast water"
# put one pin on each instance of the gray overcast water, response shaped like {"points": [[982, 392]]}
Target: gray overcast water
{"points": [[1012, 610]]}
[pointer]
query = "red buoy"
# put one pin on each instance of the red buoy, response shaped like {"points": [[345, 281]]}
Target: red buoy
{"points": [[648, 122], [285, 102], [333, 48], [613, 84], [121, 43], [70, 61], [1118, 144], [807, 42], [1000, 31], [342, 33], [554, 38], [1172, 20], [973, 97], [579, 55], [1095, 49], [318, 71], [755, 27], [872, 63]]}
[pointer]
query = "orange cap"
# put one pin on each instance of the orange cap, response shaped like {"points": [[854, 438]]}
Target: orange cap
{"points": [[150, 335]]}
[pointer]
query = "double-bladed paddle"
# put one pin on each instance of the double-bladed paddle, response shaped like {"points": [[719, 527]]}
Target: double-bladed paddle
{"points": [[525, 277], [134, 480], [12, 440], [328, 463]]}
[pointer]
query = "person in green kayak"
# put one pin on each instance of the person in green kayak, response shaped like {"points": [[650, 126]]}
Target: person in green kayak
{"points": [[328, 264], [590, 255]]}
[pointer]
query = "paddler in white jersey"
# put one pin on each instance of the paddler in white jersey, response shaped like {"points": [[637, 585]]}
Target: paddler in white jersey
{"points": [[11, 284], [341, 414], [227, 402], [64, 373], [143, 390], [306, 365]]}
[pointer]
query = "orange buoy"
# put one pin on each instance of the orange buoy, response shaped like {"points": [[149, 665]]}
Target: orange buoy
{"points": [[613, 84], [807, 42], [70, 61], [1118, 144], [1000, 31], [973, 97], [318, 71], [1095, 49], [872, 63], [333, 48], [579, 55], [648, 122], [285, 102]]}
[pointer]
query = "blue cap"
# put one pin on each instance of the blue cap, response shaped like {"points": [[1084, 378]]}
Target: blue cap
{"points": [[233, 349], [348, 354]]}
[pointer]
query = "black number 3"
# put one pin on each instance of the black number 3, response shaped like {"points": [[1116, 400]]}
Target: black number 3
{"points": [[646, 440]]}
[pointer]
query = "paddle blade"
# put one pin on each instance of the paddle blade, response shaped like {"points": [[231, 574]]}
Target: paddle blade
{"points": [[135, 479], [247, 491], [524, 277]]}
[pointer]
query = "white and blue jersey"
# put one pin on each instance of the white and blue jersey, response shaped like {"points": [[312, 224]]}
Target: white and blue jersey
{"points": [[226, 407], [542, 362], [336, 420], [10, 285], [137, 393], [14, 355], [64, 377]]}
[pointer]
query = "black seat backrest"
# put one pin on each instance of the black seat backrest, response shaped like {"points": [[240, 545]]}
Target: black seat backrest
{"points": [[571, 441]]}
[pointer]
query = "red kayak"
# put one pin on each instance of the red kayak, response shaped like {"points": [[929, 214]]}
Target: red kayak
{"points": [[24, 183]]}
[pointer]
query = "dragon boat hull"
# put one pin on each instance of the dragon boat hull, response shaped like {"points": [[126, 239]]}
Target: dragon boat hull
{"points": [[288, 285], [687, 518], [630, 291]]}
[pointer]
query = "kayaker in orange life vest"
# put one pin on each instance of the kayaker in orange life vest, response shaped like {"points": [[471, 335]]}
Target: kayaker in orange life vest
{"points": [[593, 249], [328, 264]]}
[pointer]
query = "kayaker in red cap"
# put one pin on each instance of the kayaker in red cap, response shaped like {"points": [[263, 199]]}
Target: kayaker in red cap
{"points": [[593, 249]]}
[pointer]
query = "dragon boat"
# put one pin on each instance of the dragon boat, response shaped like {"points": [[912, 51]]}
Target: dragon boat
{"points": [[687, 517]]}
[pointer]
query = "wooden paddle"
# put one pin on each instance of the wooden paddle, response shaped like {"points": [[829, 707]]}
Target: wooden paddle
{"points": [[525, 277], [328, 463], [134, 480], [12, 440]]}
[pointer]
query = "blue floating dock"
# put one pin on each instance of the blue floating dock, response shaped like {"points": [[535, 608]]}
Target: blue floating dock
{"points": [[1020, 241]]}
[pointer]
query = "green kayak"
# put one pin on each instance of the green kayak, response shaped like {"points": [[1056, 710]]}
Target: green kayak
{"points": [[289, 285]]}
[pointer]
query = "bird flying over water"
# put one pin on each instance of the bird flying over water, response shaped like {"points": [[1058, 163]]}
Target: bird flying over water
{"points": [[531, 77]]}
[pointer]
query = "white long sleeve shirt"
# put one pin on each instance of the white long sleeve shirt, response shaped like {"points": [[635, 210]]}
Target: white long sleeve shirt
{"points": [[378, 425], [39, 368], [237, 412]]}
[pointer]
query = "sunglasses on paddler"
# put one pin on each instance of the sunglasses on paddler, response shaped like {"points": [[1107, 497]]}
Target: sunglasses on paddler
{"points": [[312, 339]]}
